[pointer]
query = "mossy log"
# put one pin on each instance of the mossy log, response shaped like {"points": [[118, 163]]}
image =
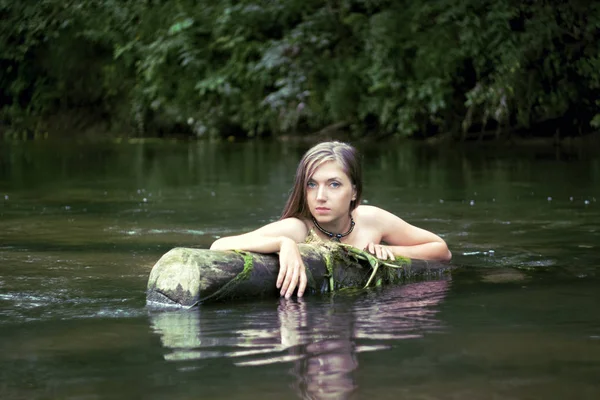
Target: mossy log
{"points": [[188, 277]]}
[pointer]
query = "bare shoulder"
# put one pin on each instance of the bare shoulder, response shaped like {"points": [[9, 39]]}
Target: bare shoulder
{"points": [[295, 224], [373, 213], [366, 211]]}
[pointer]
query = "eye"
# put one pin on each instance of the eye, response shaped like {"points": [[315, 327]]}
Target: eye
{"points": [[335, 184], [311, 185]]}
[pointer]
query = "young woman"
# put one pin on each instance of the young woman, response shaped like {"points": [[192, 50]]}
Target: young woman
{"points": [[325, 202]]}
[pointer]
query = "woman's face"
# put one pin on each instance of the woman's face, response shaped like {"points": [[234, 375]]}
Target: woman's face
{"points": [[329, 192]]}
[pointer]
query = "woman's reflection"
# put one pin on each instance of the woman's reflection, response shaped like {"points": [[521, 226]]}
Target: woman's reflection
{"points": [[327, 357], [319, 336]]}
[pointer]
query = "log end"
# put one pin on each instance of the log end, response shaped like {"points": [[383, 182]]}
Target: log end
{"points": [[175, 279], [183, 276]]}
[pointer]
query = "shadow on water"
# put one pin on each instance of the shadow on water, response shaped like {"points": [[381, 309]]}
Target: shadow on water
{"points": [[319, 338]]}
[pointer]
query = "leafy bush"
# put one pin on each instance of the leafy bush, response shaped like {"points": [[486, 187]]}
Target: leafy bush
{"points": [[265, 67]]}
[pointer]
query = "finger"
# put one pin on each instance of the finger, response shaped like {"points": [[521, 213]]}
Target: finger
{"points": [[286, 280], [293, 284], [384, 253], [391, 254], [281, 275], [303, 283], [289, 274], [379, 252], [371, 248]]}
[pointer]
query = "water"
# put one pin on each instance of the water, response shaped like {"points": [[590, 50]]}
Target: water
{"points": [[81, 226]]}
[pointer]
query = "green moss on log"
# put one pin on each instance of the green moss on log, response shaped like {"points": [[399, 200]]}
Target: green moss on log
{"points": [[192, 276], [230, 286]]}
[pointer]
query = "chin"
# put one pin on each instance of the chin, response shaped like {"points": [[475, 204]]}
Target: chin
{"points": [[324, 218], [321, 217]]}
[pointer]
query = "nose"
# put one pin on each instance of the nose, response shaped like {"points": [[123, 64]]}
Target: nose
{"points": [[321, 193]]}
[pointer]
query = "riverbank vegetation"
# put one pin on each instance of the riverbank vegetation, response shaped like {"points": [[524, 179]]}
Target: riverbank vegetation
{"points": [[462, 69]]}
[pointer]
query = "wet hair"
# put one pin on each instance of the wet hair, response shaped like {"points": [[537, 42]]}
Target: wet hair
{"points": [[344, 154]]}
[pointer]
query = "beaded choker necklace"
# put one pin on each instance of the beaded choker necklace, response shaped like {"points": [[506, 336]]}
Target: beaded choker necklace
{"points": [[334, 236]]}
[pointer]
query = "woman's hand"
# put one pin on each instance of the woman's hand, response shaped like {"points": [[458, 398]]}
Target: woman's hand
{"points": [[380, 251], [292, 271]]}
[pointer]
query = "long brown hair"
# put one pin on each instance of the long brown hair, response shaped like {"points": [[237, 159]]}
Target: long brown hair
{"points": [[343, 153]]}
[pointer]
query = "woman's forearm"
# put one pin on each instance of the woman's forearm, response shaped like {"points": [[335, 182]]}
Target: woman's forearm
{"points": [[427, 251], [256, 243]]}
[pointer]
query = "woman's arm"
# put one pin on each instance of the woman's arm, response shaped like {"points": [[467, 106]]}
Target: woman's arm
{"points": [[266, 239], [404, 239], [283, 237]]}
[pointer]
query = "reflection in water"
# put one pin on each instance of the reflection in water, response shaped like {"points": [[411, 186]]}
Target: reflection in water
{"points": [[321, 336], [180, 332], [400, 312], [325, 361]]}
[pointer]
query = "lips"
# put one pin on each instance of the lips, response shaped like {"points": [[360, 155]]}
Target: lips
{"points": [[322, 210]]}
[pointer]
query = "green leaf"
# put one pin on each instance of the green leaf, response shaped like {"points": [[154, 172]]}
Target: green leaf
{"points": [[180, 26]]}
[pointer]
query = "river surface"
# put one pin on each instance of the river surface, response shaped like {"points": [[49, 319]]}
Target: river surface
{"points": [[81, 226]]}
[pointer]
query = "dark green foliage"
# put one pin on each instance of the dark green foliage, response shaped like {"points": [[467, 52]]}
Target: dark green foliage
{"points": [[268, 67]]}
